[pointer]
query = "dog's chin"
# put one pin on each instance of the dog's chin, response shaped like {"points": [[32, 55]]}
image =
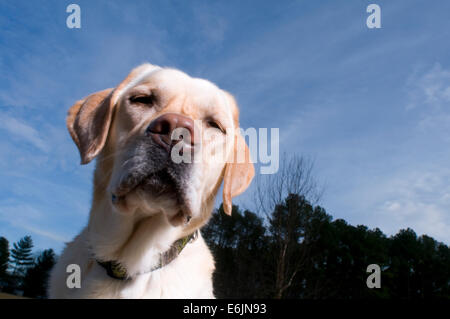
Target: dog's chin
{"points": [[158, 192]]}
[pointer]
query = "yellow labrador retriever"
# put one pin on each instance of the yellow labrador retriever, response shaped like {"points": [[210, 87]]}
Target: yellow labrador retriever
{"points": [[142, 239]]}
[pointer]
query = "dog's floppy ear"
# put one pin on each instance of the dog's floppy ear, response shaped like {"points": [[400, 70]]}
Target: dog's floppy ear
{"points": [[89, 119], [88, 122], [239, 172]]}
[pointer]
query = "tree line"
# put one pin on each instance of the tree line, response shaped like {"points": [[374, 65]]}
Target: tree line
{"points": [[290, 248], [300, 252], [21, 271]]}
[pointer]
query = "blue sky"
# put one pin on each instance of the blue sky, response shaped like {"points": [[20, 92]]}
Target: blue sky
{"points": [[371, 106]]}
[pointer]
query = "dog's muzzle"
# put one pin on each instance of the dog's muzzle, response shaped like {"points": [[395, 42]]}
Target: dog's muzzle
{"points": [[150, 168]]}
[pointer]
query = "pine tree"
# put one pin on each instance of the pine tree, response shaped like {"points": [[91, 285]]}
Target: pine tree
{"points": [[21, 256], [36, 277], [4, 257]]}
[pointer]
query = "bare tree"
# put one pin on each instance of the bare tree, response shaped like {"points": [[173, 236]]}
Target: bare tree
{"points": [[295, 176], [278, 196]]}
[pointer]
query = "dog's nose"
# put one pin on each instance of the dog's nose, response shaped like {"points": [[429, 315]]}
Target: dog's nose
{"points": [[161, 128]]}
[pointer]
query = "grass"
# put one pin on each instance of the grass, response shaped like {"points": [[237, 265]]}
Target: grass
{"points": [[9, 296]]}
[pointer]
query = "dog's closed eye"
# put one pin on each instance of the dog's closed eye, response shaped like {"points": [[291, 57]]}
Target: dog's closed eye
{"points": [[146, 99], [214, 124]]}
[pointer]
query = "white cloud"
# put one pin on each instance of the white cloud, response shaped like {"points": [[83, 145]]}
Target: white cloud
{"points": [[26, 217], [212, 24], [23, 131], [429, 103], [408, 183], [424, 218], [430, 88], [415, 198], [18, 212], [48, 234]]}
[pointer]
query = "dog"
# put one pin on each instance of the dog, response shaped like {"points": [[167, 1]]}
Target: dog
{"points": [[142, 239]]}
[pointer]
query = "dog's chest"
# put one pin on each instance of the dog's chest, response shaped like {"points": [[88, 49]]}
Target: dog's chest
{"points": [[188, 276], [165, 283]]}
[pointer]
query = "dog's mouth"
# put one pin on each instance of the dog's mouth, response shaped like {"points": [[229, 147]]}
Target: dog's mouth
{"points": [[158, 183], [149, 178], [167, 183]]}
